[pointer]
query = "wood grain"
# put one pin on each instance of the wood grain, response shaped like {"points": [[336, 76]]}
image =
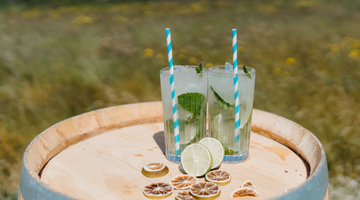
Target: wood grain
{"points": [[99, 155], [109, 165]]}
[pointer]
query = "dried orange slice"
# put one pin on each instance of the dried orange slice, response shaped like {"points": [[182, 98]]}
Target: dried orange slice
{"points": [[243, 192], [248, 184], [183, 182], [218, 176], [184, 195], [160, 189], [205, 190], [155, 169]]}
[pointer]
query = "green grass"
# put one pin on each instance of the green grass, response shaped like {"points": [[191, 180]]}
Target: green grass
{"points": [[57, 62]]}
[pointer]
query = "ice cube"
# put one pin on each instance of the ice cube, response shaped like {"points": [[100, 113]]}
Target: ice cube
{"points": [[228, 67]]}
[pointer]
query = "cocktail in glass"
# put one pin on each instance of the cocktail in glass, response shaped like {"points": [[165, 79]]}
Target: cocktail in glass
{"points": [[221, 104], [190, 95]]}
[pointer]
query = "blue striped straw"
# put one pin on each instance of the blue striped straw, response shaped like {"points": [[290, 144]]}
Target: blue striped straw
{"points": [[236, 85], [172, 86]]}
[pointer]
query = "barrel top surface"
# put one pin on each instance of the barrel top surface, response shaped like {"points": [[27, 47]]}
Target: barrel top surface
{"points": [[109, 166], [100, 155]]}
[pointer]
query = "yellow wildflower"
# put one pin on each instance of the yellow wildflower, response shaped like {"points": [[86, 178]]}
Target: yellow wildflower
{"points": [[354, 54], [192, 61], [286, 73], [119, 18], [181, 57], [159, 56], [160, 63], [200, 55], [208, 65], [149, 53], [184, 51], [277, 71], [83, 19], [290, 61]]}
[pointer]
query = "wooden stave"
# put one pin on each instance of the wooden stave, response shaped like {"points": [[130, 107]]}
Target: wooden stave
{"points": [[32, 188]]}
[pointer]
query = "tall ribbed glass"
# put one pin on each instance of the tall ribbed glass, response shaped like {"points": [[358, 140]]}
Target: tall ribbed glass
{"points": [[191, 98], [221, 104]]}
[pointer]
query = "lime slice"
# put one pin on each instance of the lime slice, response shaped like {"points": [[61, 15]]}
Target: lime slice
{"points": [[216, 149], [219, 177], [196, 160]]}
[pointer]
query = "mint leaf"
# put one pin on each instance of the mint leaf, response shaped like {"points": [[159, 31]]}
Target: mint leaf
{"points": [[192, 102], [199, 69], [221, 102], [229, 151], [246, 72]]}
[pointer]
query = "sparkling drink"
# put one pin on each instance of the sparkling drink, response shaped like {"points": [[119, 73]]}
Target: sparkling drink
{"points": [[190, 95], [222, 109]]}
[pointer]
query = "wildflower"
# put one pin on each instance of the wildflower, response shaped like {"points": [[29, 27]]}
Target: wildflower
{"points": [[119, 18], [160, 63], [335, 48], [181, 57], [290, 61], [192, 61], [286, 73], [277, 71], [184, 51], [200, 55], [159, 56], [149, 53], [208, 65], [354, 54], [83, 19]]}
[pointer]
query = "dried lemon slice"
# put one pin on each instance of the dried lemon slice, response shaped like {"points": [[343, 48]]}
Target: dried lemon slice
{"points": [[205, 190], [243, 192], [160, 189], [248, 184], [218, 176], [184, 195], [183, 182], [155, 169]]}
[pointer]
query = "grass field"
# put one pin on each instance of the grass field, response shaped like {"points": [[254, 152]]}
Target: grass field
{"points": [[57, 62]]}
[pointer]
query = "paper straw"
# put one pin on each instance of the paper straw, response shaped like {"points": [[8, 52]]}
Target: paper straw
{"points": [[172, 86], [236, 85]]}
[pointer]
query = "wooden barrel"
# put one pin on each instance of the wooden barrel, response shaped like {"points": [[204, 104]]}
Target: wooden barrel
{"points": [[100, 154]]}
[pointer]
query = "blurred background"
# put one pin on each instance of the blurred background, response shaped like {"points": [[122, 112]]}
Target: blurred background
{"points": [[58, 60]]}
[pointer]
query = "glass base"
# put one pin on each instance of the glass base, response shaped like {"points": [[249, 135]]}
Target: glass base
{"points": [[236, 158], [174, 158]]}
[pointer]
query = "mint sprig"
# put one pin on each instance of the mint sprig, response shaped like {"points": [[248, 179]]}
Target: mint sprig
{"points": [[221, 102], [246, 72], [199, 69], [191, 102]]}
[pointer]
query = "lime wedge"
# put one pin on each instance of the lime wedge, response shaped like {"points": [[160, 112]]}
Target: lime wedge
{"points": [[196, 160], [216, 149]]}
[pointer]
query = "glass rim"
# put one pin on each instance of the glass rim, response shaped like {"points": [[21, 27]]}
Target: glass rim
{"points": [[251, 70], [162, 71]]}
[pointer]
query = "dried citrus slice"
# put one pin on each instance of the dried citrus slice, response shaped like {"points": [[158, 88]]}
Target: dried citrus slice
{"points": [[243, 192], [160, 189], [205, 190], [216, 149], [196, 160], [218, 176], [155, 169], [248, 184], [184, 195], [183, 182]]}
